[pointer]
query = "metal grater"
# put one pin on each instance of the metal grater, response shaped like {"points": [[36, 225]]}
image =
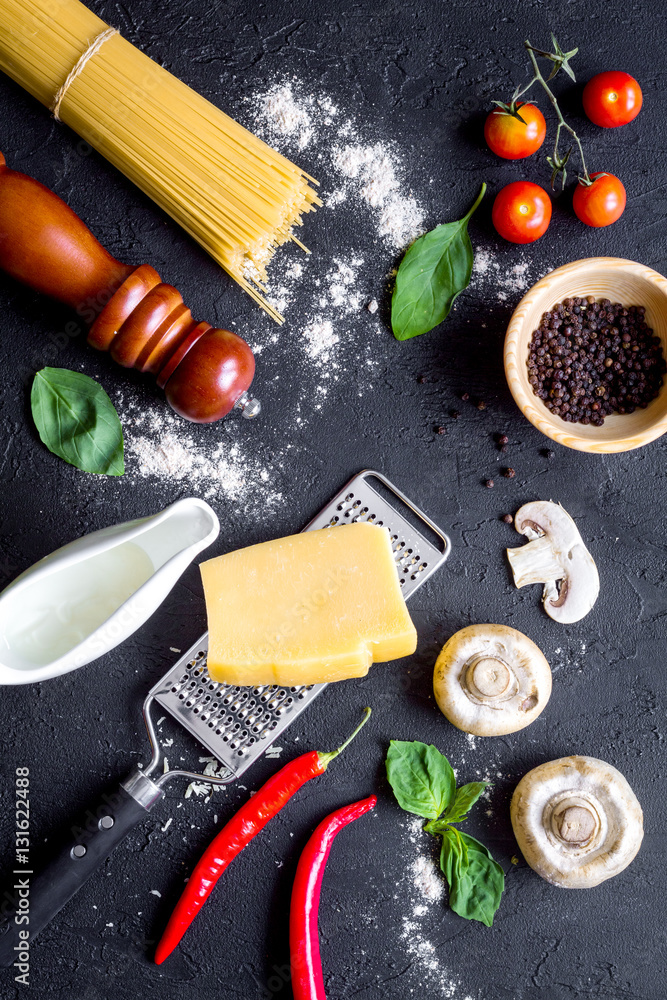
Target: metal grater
{"points": [[237, 724]]}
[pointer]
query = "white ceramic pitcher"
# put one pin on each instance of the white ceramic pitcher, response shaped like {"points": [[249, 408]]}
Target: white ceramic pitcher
{"points": [[87, 597]]}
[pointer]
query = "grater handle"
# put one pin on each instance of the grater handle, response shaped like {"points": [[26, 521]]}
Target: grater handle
{"points": [[41, 896]]}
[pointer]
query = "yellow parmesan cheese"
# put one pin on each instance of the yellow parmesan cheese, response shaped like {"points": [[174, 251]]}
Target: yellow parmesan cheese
{"points": [[319, 606]]}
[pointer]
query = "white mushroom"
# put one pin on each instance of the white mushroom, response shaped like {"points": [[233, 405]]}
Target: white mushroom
{"points": [[577, 821], [557, 557], [490, 680]]}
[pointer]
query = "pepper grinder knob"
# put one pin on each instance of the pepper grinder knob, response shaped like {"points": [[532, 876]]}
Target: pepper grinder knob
{"points": [[249, 406]]}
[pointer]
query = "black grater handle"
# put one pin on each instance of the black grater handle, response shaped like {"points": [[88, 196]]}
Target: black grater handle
{"points": [[33, 900]]}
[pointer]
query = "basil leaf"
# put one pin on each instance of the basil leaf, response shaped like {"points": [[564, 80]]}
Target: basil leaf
{"points": [[453, 855], [77, 421], [433, 272], [475, 893], [466, 796], [422, 779]]}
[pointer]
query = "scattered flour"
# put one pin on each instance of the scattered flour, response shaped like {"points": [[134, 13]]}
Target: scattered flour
{"points": [[320, 338], [506, 284], [365, 188], [426, 887], [366, 174], [282, 115], [160, 446], [372, 173], [427, 879]]}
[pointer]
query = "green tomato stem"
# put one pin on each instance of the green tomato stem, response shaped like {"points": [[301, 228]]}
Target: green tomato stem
{"points": [[538, 78], [520, 91]]}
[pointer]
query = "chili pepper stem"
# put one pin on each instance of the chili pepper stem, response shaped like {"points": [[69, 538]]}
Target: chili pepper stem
{"points": [[326, 758]]}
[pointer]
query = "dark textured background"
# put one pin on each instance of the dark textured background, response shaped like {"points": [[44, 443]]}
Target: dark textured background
{"points": [[422, 75]]}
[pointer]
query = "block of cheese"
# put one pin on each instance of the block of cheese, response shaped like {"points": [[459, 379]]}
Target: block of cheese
{"points": [[319, 606]]}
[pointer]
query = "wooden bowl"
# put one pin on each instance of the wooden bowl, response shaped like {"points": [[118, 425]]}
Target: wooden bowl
{"points": [[613, 278]]}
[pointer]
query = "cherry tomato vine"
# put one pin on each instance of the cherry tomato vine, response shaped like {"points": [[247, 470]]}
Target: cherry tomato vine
{"points": [[560, 61]]}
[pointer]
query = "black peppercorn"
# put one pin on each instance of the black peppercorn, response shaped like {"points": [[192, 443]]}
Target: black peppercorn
{"points": [[603, 359]]}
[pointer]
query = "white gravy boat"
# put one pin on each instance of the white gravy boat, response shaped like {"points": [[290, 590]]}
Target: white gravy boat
{"points": [[87, 597]]}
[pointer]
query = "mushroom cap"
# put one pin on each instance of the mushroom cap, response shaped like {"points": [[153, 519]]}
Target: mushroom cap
{"points": [[490, 680], [577, 821], [555, 553]]}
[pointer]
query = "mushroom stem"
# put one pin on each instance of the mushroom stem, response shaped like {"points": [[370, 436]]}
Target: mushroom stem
{"points": [[576, 825], [535, 562], [488, 676]]}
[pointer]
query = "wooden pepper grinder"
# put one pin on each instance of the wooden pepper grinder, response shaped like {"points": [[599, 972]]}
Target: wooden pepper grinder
{"points": [[142, 322]]}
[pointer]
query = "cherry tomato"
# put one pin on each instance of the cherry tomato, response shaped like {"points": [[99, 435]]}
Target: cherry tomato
{"points": [[612, 99], [522, 212], [600, 203], [506, 136]]}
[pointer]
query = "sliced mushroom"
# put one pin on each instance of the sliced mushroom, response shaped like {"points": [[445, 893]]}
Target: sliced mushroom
{"points": [[557, 557], [577, 821], [490, 680]]}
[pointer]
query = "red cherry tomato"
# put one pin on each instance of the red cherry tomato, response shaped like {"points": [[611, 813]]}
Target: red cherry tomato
{"points": [[506, 136], [612, 99], [600, 203], [521, 212]]}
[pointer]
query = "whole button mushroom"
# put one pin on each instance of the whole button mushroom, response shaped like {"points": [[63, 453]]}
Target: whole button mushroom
{"points": [[557, 557], [577, 821], [490, 680]]}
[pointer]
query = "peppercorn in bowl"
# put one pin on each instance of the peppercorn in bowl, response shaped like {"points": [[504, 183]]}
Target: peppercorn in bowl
{"points": [[586, 355]]}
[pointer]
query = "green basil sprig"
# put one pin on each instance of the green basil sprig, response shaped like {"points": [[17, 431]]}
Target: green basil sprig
{"points": [[434, 271], [77, 421], [424, 783]]}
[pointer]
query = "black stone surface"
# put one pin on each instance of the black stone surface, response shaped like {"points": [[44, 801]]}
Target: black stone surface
{"points": [[420, 75]]}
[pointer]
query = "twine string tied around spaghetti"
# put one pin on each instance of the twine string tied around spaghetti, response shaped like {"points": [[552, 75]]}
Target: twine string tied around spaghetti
{"points": [[79, 67]]}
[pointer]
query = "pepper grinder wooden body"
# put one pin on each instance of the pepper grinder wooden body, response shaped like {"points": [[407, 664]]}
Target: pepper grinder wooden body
{"points": [[142, 322]]}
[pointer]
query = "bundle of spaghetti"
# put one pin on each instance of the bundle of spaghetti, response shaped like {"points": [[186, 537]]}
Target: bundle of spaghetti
{"points": [[239, 198]]}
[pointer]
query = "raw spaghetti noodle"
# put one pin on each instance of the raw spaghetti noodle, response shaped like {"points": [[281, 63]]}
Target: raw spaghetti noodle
{"points": [[238, 197]]}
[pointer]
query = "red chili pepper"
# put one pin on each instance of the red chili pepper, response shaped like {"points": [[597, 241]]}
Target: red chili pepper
{"points": [[237, 833], [305, 962]]}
